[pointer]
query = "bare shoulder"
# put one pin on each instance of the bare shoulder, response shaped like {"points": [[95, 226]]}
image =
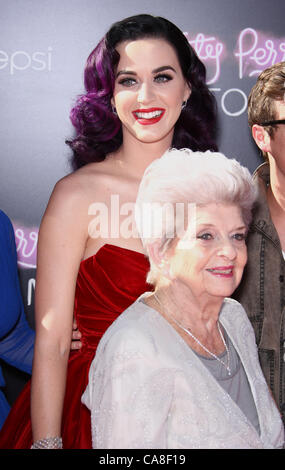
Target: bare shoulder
{"points": [[74, 194], [75, 197], [77, 188]]}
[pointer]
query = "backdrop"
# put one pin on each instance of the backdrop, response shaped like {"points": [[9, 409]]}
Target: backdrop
{"points": [[43, 49]]}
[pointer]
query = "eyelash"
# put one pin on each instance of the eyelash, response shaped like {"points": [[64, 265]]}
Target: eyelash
{"points": [[126, 81], [129, 81], [240, 237], [165, 76], [204, 235]]}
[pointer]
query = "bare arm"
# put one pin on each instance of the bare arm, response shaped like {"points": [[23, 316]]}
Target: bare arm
{"points": [[62, 240]]}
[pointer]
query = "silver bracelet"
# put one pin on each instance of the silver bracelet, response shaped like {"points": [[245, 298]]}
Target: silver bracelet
{"points": [[48, 443]]}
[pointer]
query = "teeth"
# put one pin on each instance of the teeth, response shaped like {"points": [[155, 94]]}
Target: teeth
{"points": [[150, 115], [220, 271]]}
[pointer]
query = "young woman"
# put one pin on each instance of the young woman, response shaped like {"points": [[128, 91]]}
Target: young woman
{"points": [[145, 92]]}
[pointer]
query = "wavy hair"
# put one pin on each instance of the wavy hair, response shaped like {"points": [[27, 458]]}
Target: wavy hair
{"points": [[172, 184], [99, 130]]}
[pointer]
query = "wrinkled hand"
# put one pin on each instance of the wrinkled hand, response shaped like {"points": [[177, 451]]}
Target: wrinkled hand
{"points": [[76, 336]]}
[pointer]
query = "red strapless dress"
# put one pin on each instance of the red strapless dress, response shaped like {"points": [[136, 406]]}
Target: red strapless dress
{"points": [[107, 284]]}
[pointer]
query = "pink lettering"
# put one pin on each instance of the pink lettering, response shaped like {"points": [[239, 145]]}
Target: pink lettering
{"points": [[26, 244], [211, 51], [256, 51]]}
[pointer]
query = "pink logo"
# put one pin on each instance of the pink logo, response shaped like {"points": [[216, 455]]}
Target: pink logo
{"points": [[26, 244], [257, 51], [211, 51]]}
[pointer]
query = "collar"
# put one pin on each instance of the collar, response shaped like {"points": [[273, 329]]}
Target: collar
{"points": [[261, 215]]}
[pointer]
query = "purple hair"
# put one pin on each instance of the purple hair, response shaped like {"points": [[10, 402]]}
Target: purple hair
{"points": [[99, 130]]}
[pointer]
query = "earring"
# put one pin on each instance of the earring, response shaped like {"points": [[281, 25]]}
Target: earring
{"points": [[183, 104], [164, 267], [114, 111]]}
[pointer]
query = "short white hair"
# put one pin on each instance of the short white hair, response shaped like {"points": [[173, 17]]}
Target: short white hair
{"points": [[187, 177]]}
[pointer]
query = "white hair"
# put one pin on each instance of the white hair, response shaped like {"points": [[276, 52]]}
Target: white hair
{"points": [[184, 177]]}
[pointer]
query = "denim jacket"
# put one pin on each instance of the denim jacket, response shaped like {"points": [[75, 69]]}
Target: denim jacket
{"points": [[262, 291]]}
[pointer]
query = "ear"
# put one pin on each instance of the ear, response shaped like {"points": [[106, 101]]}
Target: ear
{"points": [[187, 91], [159, 258], [155, 252], [261, 137]]}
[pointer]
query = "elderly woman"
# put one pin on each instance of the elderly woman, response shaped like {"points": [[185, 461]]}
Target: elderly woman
{"points": [[179, 368]]}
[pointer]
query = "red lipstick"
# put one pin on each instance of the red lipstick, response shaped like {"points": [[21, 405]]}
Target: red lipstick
{"points": [[148, 116]]}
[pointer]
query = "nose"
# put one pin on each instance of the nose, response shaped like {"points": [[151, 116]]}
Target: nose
{"points": [[145, 93], [227, 249]]}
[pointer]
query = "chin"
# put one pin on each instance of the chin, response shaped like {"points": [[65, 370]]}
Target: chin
{"points": [[225, 290], [149, 138], [223, 293]]}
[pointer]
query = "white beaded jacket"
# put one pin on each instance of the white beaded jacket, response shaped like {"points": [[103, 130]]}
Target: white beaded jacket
{"points": [[148, 389]]}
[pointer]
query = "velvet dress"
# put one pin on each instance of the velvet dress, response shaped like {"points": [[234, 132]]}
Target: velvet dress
{"points": [[108, 282]]}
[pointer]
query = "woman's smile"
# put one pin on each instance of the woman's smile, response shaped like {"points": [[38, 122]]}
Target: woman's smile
{"points": [[148, 116], [222, 271], [216, 255], [149, 90]]}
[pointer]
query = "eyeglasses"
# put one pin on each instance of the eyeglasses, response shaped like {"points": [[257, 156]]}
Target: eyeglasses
{"points": [[273, 123]]}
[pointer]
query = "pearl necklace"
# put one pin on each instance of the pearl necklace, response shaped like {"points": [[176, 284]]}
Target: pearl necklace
{"points": [[187, 330]]}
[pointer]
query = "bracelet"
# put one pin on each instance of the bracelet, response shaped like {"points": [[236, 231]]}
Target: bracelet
{"points": [[48, 443]]}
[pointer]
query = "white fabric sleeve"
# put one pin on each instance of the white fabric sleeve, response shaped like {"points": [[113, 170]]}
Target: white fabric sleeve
{"points": [[129, 394]]}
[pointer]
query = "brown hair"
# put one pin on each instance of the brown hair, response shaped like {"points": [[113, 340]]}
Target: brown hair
{"points": [[270, 87]]}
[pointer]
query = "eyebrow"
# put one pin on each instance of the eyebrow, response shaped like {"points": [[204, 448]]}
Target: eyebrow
{"points": [[159, 69], [201, 226]]}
